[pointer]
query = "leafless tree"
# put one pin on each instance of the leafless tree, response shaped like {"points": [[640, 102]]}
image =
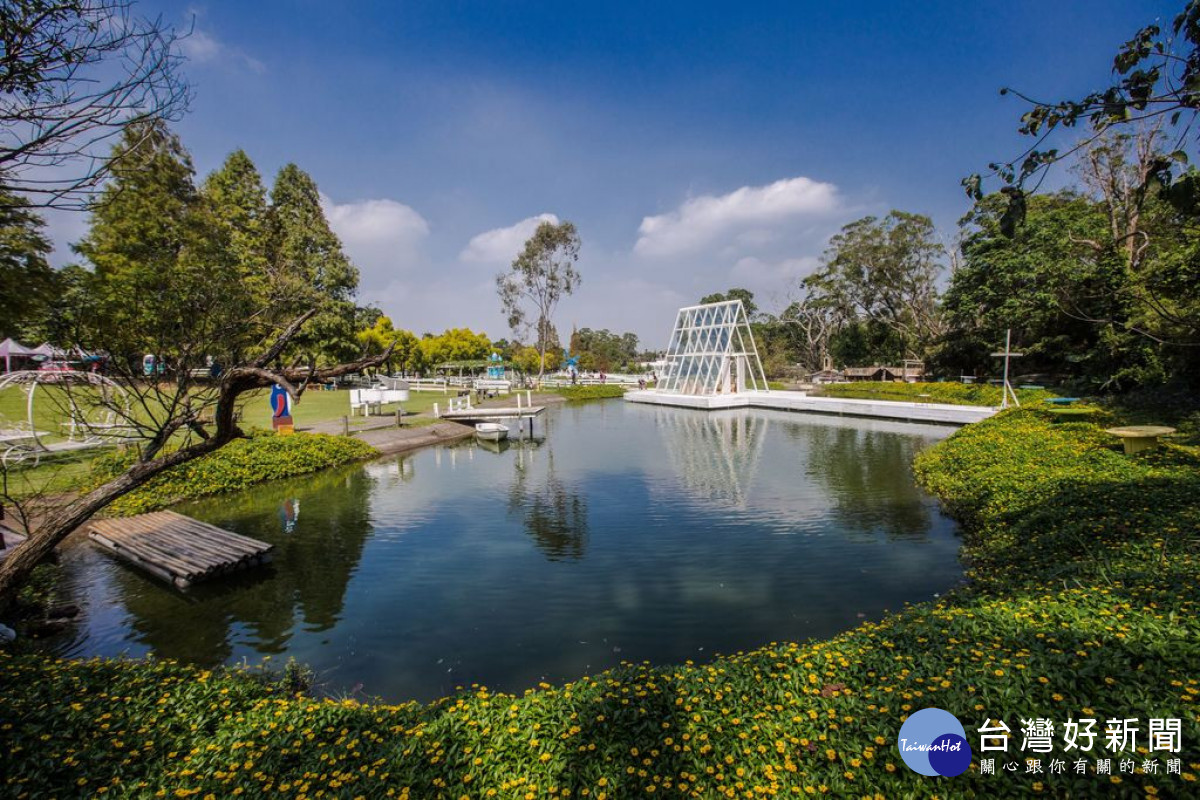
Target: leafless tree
{"points": [[73, 75]]}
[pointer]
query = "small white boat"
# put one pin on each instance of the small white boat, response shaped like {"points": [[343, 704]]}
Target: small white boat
{"points": [[491, 431]]}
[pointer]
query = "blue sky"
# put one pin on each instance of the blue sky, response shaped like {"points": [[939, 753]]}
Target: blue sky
{"points": [[696, 146]]}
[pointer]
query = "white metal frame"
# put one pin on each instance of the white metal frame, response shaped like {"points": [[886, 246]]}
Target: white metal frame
{"points": [[712, 351]]}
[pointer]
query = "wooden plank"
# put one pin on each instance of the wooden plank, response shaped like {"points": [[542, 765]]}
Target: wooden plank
{"points": [[139, 534], [162, 561], [244, 542], [151, 567], [183, 542], [176, 547], [198, 537], [202, 552]]}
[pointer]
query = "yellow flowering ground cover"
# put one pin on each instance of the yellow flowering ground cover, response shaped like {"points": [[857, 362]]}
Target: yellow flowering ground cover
{"points": [[261, 456], [1083, 602]]}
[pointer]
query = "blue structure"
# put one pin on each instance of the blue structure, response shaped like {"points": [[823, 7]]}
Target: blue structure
{"points": [[495, 370]]}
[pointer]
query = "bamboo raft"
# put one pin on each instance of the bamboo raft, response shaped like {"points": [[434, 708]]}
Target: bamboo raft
{"points": [[176, 548]]}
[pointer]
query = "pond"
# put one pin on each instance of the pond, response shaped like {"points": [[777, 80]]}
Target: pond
{"points": [[629, 532]]}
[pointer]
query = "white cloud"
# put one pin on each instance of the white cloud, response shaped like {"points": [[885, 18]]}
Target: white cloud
{"points": [[501, 245], [773, 274], [748, 213], [382, 237], [202, 47]]}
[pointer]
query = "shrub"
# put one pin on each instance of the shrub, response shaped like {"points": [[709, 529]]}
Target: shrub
{"points": [[240, 464]]}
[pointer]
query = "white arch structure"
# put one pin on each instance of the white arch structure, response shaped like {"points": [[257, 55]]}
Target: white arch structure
{"points": [[712, 351], [25, 443]]}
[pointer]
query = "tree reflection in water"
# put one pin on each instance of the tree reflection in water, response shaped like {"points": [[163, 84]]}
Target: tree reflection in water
{"points": [[305, 583], [867, 476], [554, 514]]}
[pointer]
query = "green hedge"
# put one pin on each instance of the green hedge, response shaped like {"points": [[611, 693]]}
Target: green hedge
{"points": [[963, 394], [592, 392], [1084, 603], [236, 466]]}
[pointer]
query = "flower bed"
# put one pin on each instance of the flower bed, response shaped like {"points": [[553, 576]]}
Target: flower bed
{"points": [[1083, 603]]}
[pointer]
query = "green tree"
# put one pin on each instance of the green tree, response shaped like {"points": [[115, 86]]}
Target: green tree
{"points": [[238, 200], [455, 344], [745, 295], [603, 350], [26, 276], [539, 277], [160, 261], [1061, 283], [309, 269], [527, 360], [883, 272], [404, 346]]}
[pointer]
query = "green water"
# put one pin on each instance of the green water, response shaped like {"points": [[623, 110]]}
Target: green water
{"points": [[628, 533]]}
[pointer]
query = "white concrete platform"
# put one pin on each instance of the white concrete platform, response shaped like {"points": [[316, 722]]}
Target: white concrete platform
{"points": [[800, 401]]}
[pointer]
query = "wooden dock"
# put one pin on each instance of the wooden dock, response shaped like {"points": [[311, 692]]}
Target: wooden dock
{"points": [[491, 413], [176, 548]]}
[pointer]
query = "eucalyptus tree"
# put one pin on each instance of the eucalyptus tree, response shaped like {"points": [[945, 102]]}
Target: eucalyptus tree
{"points": [[883, 272], [539, 277]]}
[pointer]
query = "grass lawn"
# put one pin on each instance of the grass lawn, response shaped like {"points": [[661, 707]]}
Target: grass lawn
{"points": [[68, 472], [321, 406], [1083, 604]]}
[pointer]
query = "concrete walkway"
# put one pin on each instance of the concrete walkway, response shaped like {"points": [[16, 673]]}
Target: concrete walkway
{"points": [[392, 440]]}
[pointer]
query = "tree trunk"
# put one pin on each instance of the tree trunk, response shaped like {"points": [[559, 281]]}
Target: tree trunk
{"points": [[49, 531]]}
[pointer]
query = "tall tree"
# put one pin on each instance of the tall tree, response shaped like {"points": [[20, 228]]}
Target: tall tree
{"points": [[309, 268], [238, 200], [745, 295], [25, 274], [539, 277], [74, 75], [1041, 283], [884, 272], [160, 262]]}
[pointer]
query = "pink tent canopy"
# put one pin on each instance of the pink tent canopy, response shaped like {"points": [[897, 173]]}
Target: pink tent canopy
{"points": [[10, 348]]}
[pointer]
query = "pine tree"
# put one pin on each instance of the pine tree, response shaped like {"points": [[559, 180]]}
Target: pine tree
{"points": [[238, 200], [309, 269], [163, 274], [25, 274]]}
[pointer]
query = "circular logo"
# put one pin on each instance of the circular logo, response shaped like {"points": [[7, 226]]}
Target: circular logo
{"points": [[933, 742]]}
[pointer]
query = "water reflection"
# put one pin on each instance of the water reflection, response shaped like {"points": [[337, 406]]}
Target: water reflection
{"points": [[867, 476], [305, 583], [716, 455], [554, 515], [625, 532]]}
